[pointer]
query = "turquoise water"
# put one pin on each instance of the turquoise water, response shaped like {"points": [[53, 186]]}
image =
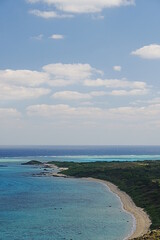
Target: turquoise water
{"points": [[106, 158], [48, 208], [82, 158]]}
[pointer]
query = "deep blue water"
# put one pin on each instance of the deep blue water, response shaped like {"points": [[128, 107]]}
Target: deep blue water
{"points": [[24, 151]]}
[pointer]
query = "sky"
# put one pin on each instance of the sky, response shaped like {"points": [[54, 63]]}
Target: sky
{"points": [[79, 72]]}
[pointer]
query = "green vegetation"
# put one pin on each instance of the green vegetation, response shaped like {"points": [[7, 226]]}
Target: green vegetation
{"points": [[32, 162], [140, 180], [152, 235]]}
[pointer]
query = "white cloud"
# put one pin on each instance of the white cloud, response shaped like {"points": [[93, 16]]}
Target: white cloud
{"points": [[73, 71], [83, 6], [117, 68], [10, 92], [148, 52], [133, 92], [9, 112], [144, 114], [66, 74], [52, 74], [23, 77], [59, 74], [25, 84], [115, 83], [22, 84], [73, 95], [57, 36], [49, 14]]}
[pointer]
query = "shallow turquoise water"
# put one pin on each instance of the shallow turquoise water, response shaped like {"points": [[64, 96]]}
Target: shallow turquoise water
{"points": [[56, 208], [82, 158], [97, 158]]}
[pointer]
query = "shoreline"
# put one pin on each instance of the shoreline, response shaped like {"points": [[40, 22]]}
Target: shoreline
{"points": [[142, 220]]}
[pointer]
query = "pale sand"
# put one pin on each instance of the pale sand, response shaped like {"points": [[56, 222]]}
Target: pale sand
{"points": [[143, 221]]}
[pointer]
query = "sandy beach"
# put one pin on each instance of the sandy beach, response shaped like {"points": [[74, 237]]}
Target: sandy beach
{"points": [[143, 221]]}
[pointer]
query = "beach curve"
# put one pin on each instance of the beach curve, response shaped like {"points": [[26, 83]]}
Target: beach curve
{"points": [[143, 221]]}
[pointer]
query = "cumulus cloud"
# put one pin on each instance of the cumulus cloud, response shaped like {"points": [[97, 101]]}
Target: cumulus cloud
{"points": [[10, 92], [58, 112], [73, 95], [73, 71], [57, 36], [114, 83], [66, 74], [117, 68], [23, 77], [22, 84], [59, 74], [148, 52], [83, 6], [49, 14], [25, 84], [52, 74]]}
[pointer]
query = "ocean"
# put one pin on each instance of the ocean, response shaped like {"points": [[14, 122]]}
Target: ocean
{"points": [[49, 208]]}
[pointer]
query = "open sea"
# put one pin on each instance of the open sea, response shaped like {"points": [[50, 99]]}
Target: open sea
{"points": [[49, 208]]}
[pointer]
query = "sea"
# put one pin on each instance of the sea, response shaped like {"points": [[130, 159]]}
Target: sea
{"points": [[50, 208]]}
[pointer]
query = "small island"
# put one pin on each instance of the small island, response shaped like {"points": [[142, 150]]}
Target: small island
{"points": [[140, 181], [33, 162]]}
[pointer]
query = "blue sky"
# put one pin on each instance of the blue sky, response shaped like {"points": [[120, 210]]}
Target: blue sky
{"points": [[79, 72]]}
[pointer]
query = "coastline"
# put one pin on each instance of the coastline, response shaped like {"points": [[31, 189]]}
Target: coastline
{"points": [[142, 220]]}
